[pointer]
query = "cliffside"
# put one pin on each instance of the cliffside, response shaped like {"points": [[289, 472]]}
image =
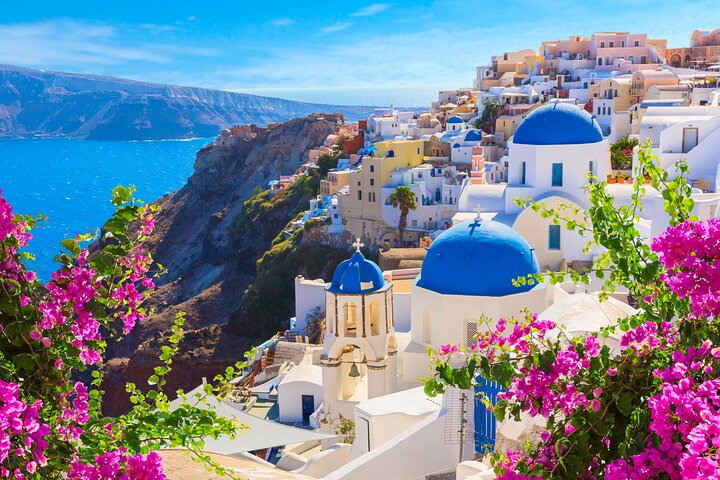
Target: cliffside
{"points": [[210, 235], [56, 104]]}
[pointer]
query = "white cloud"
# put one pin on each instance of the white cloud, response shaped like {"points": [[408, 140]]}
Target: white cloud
{"points": [[370, 10], [191, 18], [337, 27], [65, 43], [282, 22]]}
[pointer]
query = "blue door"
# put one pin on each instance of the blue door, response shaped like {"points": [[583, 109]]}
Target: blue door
{"points": [[308, 407], [485, 421]]}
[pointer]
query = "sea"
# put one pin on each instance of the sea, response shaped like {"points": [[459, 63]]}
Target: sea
{"points": [[70, 182]]}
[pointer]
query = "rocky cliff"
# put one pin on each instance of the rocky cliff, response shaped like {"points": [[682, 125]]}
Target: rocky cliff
{"points": [[55, 104], [210, 239]]}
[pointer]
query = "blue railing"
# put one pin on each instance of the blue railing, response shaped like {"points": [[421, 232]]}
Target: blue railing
{"points": [[485, 421]]}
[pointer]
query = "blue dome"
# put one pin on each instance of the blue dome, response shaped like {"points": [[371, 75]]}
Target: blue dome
{"points": [[357, 275], [456, 145], [478, 258], [558, 123], [473, 136], [455, 119]]}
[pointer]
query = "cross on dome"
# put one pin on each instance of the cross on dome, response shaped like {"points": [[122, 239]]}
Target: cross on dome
{"points": [[358, 244], [478, 212]]}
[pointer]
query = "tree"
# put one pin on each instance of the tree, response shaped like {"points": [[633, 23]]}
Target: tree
{"points": [[621, 153], [404, 199], [489, 115], [53, 335], [648, 409], [328, 161]]}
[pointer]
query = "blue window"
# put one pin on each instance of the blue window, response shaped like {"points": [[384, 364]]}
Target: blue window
{"points": [[372, 168], [557, 174], [372, 181], [554, 237], [522, 176]]}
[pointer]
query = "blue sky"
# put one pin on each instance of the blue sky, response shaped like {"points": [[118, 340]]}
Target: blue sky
{"points": [[310, 49]]}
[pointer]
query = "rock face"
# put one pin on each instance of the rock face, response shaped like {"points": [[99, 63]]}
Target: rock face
{"points": [[210, 260], [55, 104]]}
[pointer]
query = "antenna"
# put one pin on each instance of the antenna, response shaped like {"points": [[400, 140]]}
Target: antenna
{"points": [[459, 406]]}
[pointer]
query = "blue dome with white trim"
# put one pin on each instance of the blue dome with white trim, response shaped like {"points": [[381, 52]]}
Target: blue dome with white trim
{"points": [[478, 258], [557, 123], [455, 119], [357, 275]]}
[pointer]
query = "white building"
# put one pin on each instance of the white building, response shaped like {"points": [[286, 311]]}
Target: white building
{"points": [[690, 132], [436, 189]]}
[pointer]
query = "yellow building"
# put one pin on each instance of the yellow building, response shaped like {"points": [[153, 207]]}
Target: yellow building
{"points": [[336, 179], [364, 201], [617, 89]]}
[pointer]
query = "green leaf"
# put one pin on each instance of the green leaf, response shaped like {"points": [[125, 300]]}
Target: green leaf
{"points": [[71, 245], [120, 195], [24, 361]]}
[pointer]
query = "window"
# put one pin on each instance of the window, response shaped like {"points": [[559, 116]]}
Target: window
{"points": [[418, 150], [372, 168], [372, 181], [622, 44], [612, 44], [359, 194], [557, 174], [602, 44], [522, 174], [414, 223], [590, 167], [471, 332], [637, 43], [335, 215], [616, 92], [554, 237]]}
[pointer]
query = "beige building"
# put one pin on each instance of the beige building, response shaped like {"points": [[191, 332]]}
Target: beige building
{"points": [[336, 179], [643, 79], [361, 207]]}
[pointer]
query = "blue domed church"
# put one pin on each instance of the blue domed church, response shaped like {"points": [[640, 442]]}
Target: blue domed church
{"points": [[557, 149], [474, 269]]}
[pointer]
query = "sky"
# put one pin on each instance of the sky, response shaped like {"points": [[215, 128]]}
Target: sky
{"points": [[342, 51]]}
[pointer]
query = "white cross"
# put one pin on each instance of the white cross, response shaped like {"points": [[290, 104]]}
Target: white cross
{"points": [[358, 244], [478, 213]]}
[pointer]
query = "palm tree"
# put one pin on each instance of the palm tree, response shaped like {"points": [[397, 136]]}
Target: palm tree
{"points": [[404, 199]]}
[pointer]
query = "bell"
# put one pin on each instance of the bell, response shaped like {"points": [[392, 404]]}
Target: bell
{"points": [[354, 372]]}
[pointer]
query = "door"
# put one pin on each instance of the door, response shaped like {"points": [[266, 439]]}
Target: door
{"points": [[308, 407], [690, 139]]}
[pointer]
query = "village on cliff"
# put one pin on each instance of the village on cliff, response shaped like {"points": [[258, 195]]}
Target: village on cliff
{"points": [[338, 395]]}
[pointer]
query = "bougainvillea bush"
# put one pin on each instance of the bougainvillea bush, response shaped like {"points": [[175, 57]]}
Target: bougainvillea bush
{"points": [[54, 334], [648, 409]]}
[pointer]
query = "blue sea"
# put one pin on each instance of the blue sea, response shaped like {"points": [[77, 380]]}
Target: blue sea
{"points": [[70, 182]]}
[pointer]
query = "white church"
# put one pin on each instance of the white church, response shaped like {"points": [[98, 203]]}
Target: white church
{"points": [[378, 325]]}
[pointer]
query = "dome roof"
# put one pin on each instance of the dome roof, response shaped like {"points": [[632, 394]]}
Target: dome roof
{"points": [[455, 119], [558, 123], [479, 258], [473, 136], [357, 275]]}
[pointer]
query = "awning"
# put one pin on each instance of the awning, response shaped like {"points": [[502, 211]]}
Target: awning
{"points": [[260, 433]]}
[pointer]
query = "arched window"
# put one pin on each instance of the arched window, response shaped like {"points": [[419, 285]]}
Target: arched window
{"points": [[375, 320], [350, 318]]}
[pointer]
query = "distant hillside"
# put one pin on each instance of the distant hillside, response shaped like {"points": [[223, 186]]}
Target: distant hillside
{"points": [[55, 104]]}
